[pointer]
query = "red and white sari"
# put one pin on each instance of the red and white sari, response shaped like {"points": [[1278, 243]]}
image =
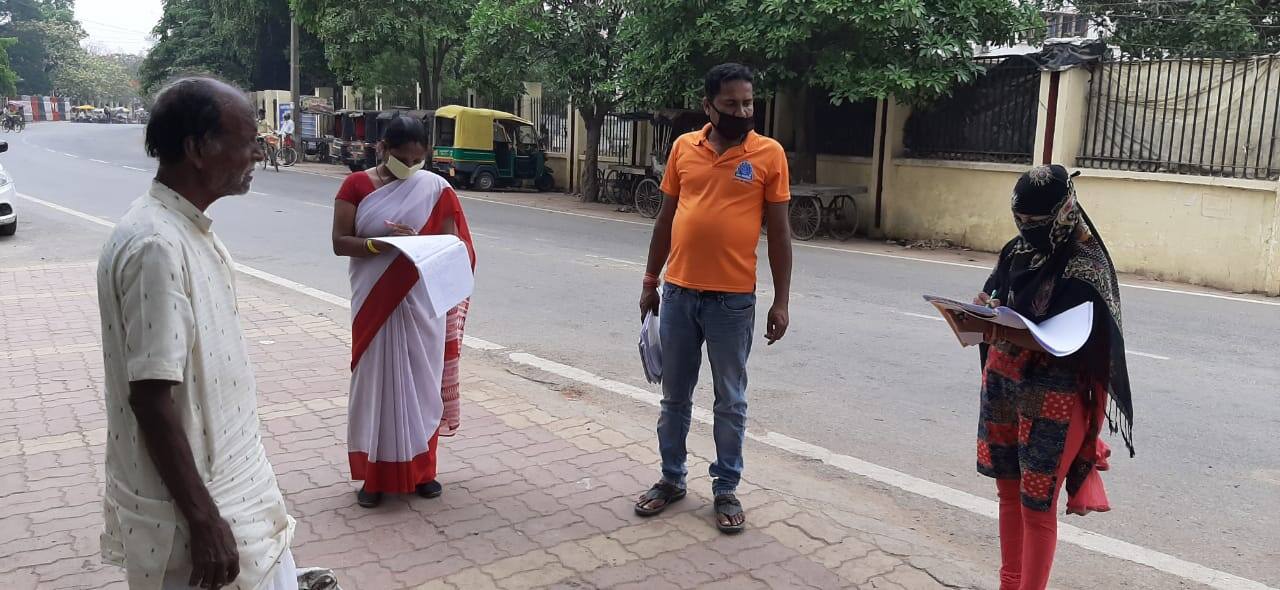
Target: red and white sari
{"points": [[404, 362]]}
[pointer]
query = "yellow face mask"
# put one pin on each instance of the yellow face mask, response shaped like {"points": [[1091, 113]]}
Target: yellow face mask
{"points": [[399, 169]]}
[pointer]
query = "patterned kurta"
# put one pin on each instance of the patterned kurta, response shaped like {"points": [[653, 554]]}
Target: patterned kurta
{"points": [[166, 291], [1027, 400]]}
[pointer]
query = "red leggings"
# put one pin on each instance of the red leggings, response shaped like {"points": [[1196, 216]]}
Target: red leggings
{"points": [[1028, 538]]}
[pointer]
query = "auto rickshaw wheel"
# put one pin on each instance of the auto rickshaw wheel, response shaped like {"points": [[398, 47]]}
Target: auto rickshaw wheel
{"points": [[484, 181], [544, 183]]}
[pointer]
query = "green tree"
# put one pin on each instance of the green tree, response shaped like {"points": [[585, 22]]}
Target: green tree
{"points": [[419, 34], [8, 78], [1187, 27], [576, 45], [48, 36], [188, 41], [846, 49], [96, 77]]}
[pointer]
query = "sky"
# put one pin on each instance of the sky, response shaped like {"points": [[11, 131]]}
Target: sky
{"points": [[118, 25]]}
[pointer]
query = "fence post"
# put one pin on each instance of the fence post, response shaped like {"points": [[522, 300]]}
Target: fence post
{"points": [[1061, 115], [1271, 276]]}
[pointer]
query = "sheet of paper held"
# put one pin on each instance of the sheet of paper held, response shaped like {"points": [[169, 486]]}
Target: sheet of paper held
{"points": [[1060, 335], [443, 265]]}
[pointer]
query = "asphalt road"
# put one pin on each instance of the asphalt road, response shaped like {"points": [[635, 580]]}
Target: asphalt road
{"points": [[858, 373]]}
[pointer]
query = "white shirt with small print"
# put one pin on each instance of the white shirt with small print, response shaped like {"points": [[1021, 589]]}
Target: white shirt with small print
{"points": [[166, 293]]}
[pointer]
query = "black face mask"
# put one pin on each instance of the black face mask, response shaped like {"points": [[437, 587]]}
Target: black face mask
{"points": [[1038, 234], [733, 127]]}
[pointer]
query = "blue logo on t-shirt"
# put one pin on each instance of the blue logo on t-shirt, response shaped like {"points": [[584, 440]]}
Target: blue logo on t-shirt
{"points": [[745, 172]]}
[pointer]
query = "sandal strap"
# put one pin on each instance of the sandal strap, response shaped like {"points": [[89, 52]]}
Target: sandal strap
{"points": [[663, 490], [728, 500]]}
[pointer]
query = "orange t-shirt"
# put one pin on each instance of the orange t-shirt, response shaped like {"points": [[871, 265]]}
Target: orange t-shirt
{"points": [[721, 199]]}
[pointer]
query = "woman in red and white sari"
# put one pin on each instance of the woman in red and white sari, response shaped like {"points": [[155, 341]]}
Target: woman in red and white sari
{"points": [[404, 362]]}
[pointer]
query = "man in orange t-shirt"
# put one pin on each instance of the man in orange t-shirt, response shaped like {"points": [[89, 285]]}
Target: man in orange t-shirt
{"points": [[720, 182]]}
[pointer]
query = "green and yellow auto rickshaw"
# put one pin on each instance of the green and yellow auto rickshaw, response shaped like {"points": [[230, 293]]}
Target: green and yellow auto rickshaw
{"points": [[486, 149]]}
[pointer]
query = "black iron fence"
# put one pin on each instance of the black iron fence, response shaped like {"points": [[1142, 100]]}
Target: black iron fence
{"points": [[992, 119], [1208, 117], [616, 138], [846, 129], [553, 118]]}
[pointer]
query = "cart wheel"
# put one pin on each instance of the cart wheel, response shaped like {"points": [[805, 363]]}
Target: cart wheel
{"points": [[544, 183], [610, 189], [842, 218], [648, 198], [806, 216]]}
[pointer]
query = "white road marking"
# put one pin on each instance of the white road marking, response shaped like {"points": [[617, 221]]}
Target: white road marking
{"points": [[259, 194], [71, 155], [52, 151], [99, 161], [885, 255], [132, 168], [478, 344], [318, 205], [909, 483], [617, 260], [68, 211], [1147, 355], [922, 316]]}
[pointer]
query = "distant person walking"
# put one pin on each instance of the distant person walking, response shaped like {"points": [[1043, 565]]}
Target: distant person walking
{"points": [[404, 361], [1041, 415], [720, 182], [190, 498]]}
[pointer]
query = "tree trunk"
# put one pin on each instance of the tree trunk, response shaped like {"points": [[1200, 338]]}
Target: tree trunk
{"points": [[805, 167], [594, 120], [424, 69]]}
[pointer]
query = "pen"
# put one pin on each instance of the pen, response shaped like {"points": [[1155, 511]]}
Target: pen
{"points": [[995, 293]]}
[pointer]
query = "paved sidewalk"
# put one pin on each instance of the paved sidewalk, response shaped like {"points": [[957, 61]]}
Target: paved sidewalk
{"points": [[538, 484]]}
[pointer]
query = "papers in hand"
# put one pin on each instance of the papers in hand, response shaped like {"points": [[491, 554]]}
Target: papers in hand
{"points": [[444, 267], [651, 349], [1060, 335]]}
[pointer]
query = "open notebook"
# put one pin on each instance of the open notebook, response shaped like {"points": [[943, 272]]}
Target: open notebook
{"points": [[1060, 335]]}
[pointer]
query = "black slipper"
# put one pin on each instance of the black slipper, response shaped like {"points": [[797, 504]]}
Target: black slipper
{"points": [[665, 491], [431, 489], [368, 499], [727, 505]]}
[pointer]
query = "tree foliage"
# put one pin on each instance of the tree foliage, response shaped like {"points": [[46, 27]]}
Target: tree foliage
{"points": [[48, 37], [577, 44], [1189, 27], [915, 50], [243, 41], [8, 78], [422, 35], [91, 76], [188, 41]]}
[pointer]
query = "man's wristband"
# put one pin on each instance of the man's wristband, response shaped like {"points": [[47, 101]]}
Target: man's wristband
{"points": [[651, 281]]}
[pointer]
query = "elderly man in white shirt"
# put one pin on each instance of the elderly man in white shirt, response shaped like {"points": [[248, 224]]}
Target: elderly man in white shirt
{"points": [[191, 500]]}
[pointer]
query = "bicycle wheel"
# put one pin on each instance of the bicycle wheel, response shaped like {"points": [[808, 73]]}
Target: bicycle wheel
{"points": [[648, 198], [842, 218], [806, 216], [289, 156]]}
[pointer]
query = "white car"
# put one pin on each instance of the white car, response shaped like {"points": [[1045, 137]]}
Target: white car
{"points": [[8, 217]]}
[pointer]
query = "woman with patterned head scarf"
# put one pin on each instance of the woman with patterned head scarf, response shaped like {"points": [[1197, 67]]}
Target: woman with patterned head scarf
{"points": [[1041, 414]]}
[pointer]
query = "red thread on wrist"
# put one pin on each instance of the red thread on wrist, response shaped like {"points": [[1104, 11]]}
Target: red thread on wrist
{"points": [[651, 281]]}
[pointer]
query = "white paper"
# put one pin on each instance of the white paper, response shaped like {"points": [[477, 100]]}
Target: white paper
{"points": [[1060, 335], [444, 267]]}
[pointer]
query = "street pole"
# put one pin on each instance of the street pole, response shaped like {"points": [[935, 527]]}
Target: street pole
{"points": [[294, 81]]}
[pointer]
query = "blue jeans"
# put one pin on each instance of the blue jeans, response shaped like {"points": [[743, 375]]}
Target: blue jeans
{"points": [[725, 322]]}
